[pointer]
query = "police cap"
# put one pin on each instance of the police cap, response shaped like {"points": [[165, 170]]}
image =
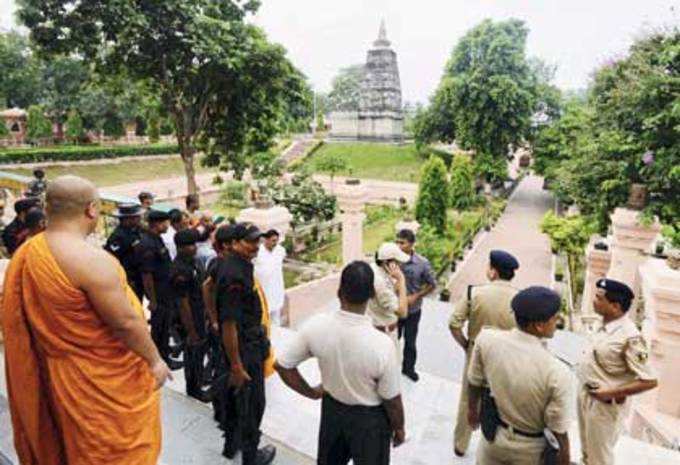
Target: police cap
{"points": [[186, 237], [504, 260], [157, 216], [247, 231], [126, 210], [23, 205], [225, 233], [616, 287], [535, 303]]}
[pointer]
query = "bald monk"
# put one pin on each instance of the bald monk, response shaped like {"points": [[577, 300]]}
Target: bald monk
{"points": [[82, 372]]}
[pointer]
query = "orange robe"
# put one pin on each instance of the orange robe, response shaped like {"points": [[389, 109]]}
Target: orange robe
{"points": [[77, 395]]}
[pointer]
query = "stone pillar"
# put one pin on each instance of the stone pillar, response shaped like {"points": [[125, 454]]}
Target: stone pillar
{"points": [[268, 217], [351, 198], [598, 261], [631, 240]]}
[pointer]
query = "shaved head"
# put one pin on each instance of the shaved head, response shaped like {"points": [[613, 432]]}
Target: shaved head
{"points": [[69, 197]]}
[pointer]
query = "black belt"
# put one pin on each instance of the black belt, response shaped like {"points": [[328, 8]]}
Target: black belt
{"points": [[518, 431]]}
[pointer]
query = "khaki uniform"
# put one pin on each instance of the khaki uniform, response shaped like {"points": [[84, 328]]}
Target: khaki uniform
{"points": [[489, 305], [619, 356], [383, 308], [532, 389]]}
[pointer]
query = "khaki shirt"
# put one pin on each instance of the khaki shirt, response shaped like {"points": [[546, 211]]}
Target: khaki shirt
{"points": [[489, 306], [384, 306], [533, 390], [618, 356]]}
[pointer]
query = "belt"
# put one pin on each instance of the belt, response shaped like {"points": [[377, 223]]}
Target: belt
{"points": [[518, 431], [387, 329]]}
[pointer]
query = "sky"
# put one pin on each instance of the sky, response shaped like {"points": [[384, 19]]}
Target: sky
{"points": [[322, 36]]}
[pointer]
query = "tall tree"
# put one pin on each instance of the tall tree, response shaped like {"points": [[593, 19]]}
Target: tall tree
{"points": [[197, 53], [346, 89], [63, 79], [20, 74], [433, 195]]}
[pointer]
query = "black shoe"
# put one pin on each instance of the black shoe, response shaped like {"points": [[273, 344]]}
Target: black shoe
{"points": [[265, 455], [412, 375], [231, 448], [200, 396], [458, 453]]}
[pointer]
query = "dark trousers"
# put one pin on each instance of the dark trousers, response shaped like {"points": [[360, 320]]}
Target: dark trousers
{"points": [[161, 319], [408, 328], [353, 432], [194, 356], [248, 404], [138, 288]]}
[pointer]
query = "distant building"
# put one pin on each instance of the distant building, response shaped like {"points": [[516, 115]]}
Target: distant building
{"points": [[380, 116]]}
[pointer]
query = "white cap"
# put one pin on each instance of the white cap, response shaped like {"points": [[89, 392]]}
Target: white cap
{"points": [[391, 251]]}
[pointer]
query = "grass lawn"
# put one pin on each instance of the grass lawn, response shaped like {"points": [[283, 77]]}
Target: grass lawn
{"points": [[374, 161], [111, 174]]}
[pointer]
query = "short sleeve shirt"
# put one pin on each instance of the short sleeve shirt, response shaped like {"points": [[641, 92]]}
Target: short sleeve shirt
{"points": [[358, 363], [532, 389], [418, 273], [237, 297], [383, 307], [154, 258]]}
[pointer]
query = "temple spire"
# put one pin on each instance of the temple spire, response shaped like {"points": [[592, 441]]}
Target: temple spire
{"points": [[382, 35]]}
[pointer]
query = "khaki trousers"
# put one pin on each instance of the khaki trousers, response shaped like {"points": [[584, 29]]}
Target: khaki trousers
{"points": [[510, 449], [600, 426], [462, 432]]}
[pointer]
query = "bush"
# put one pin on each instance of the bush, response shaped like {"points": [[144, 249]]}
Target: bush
{"points": [[462, 193], [37, 126], [83, 153], [4, 132], [74, 127], [433, 195], [233, 193]]}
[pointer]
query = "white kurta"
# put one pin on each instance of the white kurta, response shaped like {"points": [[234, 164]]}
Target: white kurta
{"points": [[269, 271], [169, 241]]}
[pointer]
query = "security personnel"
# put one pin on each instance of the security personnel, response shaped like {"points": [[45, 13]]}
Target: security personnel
{"points": [[38, 186], [482, 306], [124, 241], [240, 304], [519, 391], [154, 267], [16, 231], [186, 277], [615, 368]]}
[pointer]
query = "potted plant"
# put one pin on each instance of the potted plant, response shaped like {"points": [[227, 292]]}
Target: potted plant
{"points": [[672, 234], [445, 295]]}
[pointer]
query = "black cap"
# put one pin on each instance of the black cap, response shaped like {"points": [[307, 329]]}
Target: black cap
{"points": [[126, 210], [225, 233], [247, 231], [23, 205], [611, 285], [502, 259], [157, 215], [536, 303], [186, 237], [34, 217], [145, 195]]}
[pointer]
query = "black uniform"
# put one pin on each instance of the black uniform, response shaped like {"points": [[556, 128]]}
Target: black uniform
{"points": [[186, 278], [154, 258], [123, 243], [238, 301], [217, 362], [14, 235]]}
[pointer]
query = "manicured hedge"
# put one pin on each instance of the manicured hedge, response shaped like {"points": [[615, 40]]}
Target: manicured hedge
{"points": [[75, 153]]}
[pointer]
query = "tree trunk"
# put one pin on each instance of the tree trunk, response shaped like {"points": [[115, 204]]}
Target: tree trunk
{"points": [[188, 159]]}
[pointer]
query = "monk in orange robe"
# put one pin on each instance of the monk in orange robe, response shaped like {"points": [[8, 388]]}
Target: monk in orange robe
{"points": [[82, 372]]}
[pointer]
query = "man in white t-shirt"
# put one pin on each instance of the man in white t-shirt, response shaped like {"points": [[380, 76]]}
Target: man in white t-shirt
{"points": [[269, 272], [361, 409], [179, 221]]}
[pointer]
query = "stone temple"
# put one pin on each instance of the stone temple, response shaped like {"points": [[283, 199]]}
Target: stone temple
{"points": [[380, 116]]}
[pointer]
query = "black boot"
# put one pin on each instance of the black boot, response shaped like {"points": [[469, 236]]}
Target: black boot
{"points": [[231, 446], [265, 455]]}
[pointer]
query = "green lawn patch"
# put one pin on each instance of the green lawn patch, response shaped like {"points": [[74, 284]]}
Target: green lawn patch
{"points": [[83, 152], [373, 161], [115, 173]]}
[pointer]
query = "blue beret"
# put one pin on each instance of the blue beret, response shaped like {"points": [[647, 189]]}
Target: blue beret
{"points": [[502, 259], [611, 285], [536, 303]]}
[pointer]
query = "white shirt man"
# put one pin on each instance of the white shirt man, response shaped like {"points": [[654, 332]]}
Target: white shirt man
{"points": [[361, 408], [269, 272], [168, 238]]}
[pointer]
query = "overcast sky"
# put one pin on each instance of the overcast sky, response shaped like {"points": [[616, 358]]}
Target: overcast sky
{"points": [[323, 36]]}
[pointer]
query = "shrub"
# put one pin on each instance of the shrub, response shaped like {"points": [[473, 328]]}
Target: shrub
{"points": [[74, 127], [49, 154], [233, 193], [433, 195], [37, 126], [4, 132], [462, 193]]}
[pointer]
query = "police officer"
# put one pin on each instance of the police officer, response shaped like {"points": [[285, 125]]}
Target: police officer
{"points": [[519, 391], [487, 305], [154, 267], [615, 368], [124, 241], [240, 306], [16, 231], [186, 278], [38, 186]]}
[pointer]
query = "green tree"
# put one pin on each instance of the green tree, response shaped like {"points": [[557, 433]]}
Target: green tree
{"points": [[462, 193], [153, 124], [346, 89], [63, 79], [332, 163], [217, 76], [4, 132], [74, 127], [305, 198], [37, 125], [20, 72], [433, 198]]}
